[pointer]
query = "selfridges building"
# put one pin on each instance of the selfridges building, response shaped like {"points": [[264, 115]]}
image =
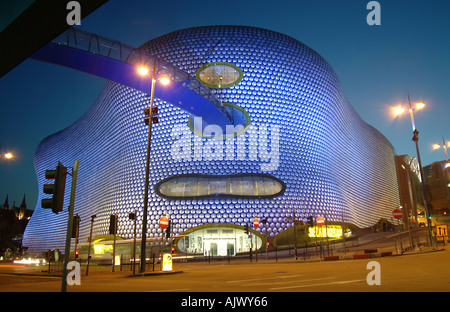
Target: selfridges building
{"points": [[299, 146]]}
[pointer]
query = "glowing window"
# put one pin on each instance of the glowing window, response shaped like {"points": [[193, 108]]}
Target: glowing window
{"points": [[196, 186], [219, 75]]}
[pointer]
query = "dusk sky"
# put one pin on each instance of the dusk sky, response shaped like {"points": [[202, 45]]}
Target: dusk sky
{"points": [[378, 66]]}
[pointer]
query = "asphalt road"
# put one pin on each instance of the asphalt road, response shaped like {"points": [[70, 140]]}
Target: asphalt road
{"points": [[426, 271]]}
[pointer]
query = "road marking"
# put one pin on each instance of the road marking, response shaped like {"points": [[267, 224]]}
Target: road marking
{"points": [[261, 279], [169, 290], [321, 284], [284, 282]]}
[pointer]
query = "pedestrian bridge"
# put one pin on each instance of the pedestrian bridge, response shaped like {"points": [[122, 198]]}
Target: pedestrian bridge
{"points": [[113, 60]]}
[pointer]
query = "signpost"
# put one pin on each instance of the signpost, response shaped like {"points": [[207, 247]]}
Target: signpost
{"points": [[166, 258], [163, 222], [320, 221], [256, 223], [397, 214]]}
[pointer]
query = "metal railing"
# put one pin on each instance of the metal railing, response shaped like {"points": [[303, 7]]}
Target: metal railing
{"points": [[93, 43]]}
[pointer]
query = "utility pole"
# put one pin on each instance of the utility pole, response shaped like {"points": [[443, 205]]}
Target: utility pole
{"points": [[295, 234], [90, 242], [69, 225]]}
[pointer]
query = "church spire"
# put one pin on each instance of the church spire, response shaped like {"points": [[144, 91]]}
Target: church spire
{"points": [[6, 203], [24, 204]]}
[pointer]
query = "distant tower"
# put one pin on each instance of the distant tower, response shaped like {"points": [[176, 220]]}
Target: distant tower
{"points": [[6, 203]]}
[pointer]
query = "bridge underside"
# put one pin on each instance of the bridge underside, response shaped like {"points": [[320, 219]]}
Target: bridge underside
{"points": [[176, 93]]}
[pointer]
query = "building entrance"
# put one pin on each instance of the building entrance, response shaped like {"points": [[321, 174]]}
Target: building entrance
{"points": [[218, 239], [219, 247]]}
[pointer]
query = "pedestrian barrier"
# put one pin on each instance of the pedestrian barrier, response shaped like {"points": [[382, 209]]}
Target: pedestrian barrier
{"points": [[365, 255]]}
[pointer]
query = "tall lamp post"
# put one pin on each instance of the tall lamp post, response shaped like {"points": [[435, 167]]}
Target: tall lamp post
{"points": [[444, 146], [415, 138], [144, 72]]}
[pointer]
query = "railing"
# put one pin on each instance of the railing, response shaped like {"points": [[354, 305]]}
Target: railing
{"points": [[82, 40]]}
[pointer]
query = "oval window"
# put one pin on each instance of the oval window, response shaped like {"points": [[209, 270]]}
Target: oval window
{"points": [[241, 123], [196, 186], [219, 75]]}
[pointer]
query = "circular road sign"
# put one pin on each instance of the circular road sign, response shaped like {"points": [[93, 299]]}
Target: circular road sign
{"points": [[320, 221], [163, 222], [256, 223], [397, 214]]}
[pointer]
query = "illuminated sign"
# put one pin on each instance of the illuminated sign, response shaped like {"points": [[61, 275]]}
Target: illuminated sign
{"points": [[330, 231], [167, 262], [100, 249]]}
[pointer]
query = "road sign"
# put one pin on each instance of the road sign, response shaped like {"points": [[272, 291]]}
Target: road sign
{"points": [[256, 223], [320, 221], [441, 231], [397, 214], [163, 222]]}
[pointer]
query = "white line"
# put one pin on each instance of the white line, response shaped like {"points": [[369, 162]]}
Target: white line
{"points": [[284, 282], [321, 284], [261, 279], [169, 290]]}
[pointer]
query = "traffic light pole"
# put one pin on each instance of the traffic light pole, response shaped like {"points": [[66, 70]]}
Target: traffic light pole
{"points": [[295, 234], [90, 242], [69, 225]]}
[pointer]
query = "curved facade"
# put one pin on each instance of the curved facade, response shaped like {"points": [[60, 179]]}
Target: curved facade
{"points": [[299, 129]]}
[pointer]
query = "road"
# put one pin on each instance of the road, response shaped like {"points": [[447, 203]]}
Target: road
{"points": [[427, 271]]}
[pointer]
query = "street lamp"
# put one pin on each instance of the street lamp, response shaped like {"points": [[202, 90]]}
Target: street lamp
{"points": [[7, 155], [444, 146], [415, 138], [143, 71]]}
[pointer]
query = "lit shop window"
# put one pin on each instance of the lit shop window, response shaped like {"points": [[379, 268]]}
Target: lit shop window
{"points": [[196, 186], [219, 75]]}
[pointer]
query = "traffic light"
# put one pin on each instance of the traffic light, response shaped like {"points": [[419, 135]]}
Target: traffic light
{"points": [[55, 203], [154, 115], [75, 226], [415, 137], [311, 221], [247, 231], [112, 224]]}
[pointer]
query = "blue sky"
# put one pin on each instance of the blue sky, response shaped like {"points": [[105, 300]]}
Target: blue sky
{"points": [[377, 66]]}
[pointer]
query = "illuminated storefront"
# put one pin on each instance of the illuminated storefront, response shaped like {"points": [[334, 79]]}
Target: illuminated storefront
{"points": [[218, 240]]}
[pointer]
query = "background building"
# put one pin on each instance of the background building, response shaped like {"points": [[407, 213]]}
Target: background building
{"points": [[410, 189], [12, 226], [437, 183], [303, 148]]}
